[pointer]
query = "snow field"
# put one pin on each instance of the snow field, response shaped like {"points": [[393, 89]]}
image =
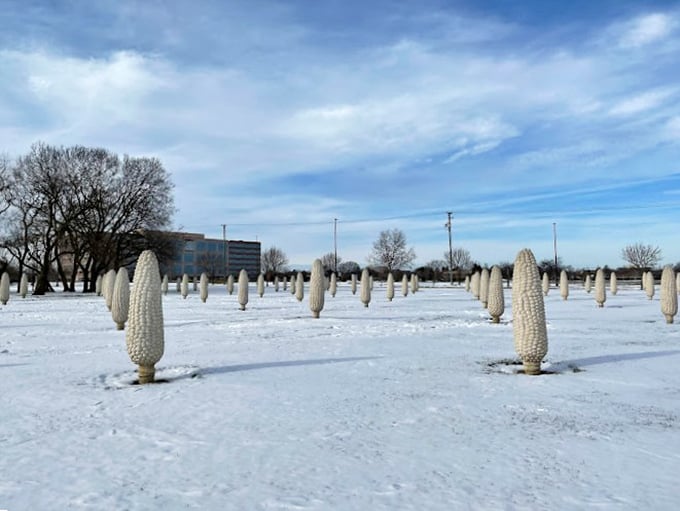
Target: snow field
{"points": [[401, 405]]}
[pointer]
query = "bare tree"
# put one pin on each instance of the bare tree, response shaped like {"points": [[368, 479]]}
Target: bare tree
{"points": [[4, 183], [640, 256], [390, 250], [211, 263], [437, 264], [460, 259], [273, 260], [84, 207], [328, 261], [349, 267], [127, 198], [37, 187]]}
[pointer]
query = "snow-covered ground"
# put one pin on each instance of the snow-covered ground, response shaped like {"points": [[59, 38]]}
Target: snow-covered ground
{"points": [[403, 405]]}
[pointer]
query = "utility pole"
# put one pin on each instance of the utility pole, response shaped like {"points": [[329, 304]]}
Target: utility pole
{"points": [[448, 226], [335, 245], [225, 251], [555, 250]]}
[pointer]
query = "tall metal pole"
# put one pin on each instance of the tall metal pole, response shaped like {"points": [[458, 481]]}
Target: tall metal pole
{"points": [[224, 251], [448, 226], [555, 250], [335, 245]]}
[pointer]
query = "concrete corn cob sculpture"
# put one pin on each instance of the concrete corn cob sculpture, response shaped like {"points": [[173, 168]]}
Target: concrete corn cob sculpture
{"points": [[165, 284], [496, 299], [390, 287], [564, 285], [203, 285], [185, 286], [668, 294], [4, 288], [404, 285], [354, 283], [23, 285], [528, 313], [144, 336], [107, 287], [317, 288], [334, 285], [484, 287], [300, 287], [120, 303], [545, 284], [613, 284], [365, 292], [230, 284], [600, 288], [474, 284], [649, 285], [243, 289], [260, 285]]}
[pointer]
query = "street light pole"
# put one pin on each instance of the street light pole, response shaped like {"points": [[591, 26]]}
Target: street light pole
{"points": [[555, 250], [335, 245], [225, 251], [448, 226]]}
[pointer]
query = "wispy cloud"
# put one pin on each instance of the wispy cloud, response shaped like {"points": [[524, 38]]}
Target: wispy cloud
{"points": [[646, 29], [642, 102]]}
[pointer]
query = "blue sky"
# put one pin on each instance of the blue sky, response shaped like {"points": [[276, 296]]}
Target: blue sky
{"points": [[277, 117]]}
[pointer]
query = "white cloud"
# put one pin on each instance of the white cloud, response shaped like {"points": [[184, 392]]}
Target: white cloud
{"points": [[646, 29], [641, 102]]}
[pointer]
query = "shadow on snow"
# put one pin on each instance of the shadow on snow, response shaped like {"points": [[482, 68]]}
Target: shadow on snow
{"points": [[606, 359]]}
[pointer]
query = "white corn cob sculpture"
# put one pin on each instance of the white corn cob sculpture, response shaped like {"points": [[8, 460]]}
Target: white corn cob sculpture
{"points": [[185, 286], [668, 294], [390, 286], [4, 288], [496, 299], [564, 285], [484, 287], [107, 288], [365, 293], [120, 303], [144, 333], [300, 287], [260, 285], [649, 284], [203, 284], [528, 313], [317, 288], [243, 289], [334, 285], [600, 288], [23, 285]]}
